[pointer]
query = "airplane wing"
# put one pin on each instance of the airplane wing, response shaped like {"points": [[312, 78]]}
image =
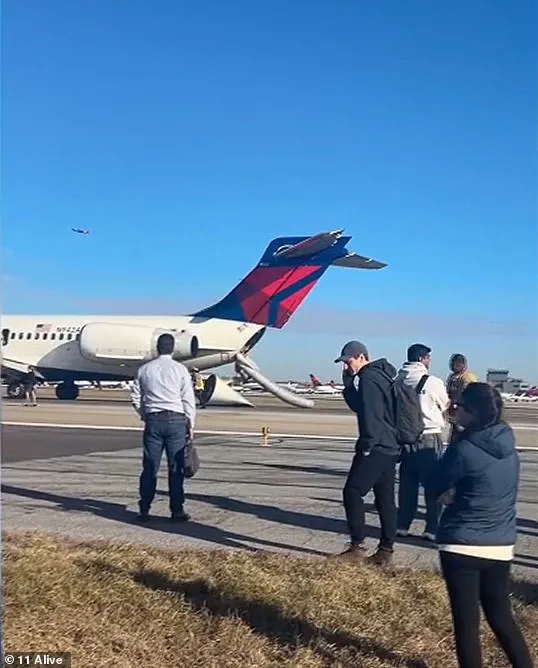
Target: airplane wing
{"points": [[354, 261], [14, 366]]}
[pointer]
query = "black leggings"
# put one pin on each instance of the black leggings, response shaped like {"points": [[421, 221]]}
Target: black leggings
{"points": [[470, 582]]}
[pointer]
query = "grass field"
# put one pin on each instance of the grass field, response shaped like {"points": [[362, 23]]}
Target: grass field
{"points": [[126, 606]]}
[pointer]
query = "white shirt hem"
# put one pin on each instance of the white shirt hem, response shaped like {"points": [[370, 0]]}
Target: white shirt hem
{"points": [[498, 552]]}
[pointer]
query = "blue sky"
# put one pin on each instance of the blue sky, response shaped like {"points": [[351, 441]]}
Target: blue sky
{"points": [[187, 135]]}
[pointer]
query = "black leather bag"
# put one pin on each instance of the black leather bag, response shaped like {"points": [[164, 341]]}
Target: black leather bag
{"points": [[192, 460]]}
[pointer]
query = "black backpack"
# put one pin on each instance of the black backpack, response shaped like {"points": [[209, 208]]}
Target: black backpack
{"points": [[407, 412]]}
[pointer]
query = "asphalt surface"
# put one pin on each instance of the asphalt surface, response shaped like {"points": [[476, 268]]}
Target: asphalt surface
{"points": [[285, 497], [517, 411], [334, 424], [21, 444]]}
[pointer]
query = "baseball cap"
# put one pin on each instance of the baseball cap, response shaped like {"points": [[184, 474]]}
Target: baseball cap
{"points": [[352, 349]]}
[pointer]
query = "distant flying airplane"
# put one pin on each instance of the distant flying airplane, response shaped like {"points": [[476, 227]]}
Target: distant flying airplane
{"points": [[79, 231]]}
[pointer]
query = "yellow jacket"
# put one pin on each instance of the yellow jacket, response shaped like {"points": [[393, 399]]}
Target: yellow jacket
{"points": [[455, 385], [198, 382]]}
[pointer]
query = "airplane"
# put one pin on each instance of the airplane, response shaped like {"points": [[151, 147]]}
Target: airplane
{"points": [[65, 349], [79, 231], [325, 388]]}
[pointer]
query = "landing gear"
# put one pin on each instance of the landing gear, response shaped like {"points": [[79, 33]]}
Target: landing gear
{"points": [[15, 391], [67, 391]]}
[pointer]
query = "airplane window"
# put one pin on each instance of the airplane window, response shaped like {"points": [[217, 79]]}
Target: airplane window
{"points": [[5, 336], [45, 335], [13, 335], [69, 336], [36, 335], [53, 336], [21, 335], [29, 336], [61, 337]]}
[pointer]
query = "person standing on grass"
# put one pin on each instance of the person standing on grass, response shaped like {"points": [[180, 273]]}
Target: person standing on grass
{"points": [[478, 484]]}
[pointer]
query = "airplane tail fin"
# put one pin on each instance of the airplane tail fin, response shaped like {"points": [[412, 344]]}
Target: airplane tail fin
{"points": [[288, 270], [314, 380]]}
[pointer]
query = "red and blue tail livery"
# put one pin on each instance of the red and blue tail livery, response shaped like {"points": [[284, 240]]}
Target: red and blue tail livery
{"points": [[286, 273]]}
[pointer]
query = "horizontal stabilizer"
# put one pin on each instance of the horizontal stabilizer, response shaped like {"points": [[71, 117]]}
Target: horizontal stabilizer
{"points": [[286, 273], [310, 246], [354, 261]]}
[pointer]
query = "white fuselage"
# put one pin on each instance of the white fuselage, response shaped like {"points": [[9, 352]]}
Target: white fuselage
{"points": [[328, 389], [51, 344]]}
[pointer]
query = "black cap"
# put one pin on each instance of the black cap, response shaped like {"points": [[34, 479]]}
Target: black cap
{"points": [[417, 351], [352, 349]]}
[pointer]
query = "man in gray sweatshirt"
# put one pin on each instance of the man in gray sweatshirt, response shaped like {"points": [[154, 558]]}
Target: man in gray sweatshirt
{"points": [[419, 460]]}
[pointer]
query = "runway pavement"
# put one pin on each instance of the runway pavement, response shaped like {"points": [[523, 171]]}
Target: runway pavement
{"points": [[72, 468], [285, 497], [520, 411], [339, 424]]}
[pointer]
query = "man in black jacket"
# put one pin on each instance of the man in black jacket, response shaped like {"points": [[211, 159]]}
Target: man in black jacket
{"points": [[368, 394]]}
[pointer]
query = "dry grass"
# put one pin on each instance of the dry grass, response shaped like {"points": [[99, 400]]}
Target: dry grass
{"points": [[126, 606]]}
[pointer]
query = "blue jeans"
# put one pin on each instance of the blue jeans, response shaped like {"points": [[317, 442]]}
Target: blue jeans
{"points": [[163, 431], [418, 467]]}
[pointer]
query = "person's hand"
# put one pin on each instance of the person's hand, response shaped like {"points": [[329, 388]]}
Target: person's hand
{"points": [[447, 498], [347, 378]]}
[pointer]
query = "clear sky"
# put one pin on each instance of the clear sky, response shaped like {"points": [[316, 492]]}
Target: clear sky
{"points": [[186, 135]]}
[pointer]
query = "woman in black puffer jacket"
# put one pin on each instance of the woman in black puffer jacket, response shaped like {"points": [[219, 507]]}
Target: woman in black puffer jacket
{"points": [[478, 484]]}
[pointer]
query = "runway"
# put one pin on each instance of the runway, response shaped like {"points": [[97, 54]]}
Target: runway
{"points": [[72, 468], [520, 411], [332, 420], [286, 497]]}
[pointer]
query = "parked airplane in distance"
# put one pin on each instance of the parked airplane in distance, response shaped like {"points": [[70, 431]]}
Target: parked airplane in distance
{"points": [[325, 388], [65, 349]]}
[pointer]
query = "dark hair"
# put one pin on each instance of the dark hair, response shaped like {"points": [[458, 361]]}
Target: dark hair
{"points": [[458, 357], [166, 344], [417, 351], [484, 403]]}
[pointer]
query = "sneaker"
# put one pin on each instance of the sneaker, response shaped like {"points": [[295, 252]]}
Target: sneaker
{"points": [[402, 532], [429, 537], [381, 557], [353, 553]]}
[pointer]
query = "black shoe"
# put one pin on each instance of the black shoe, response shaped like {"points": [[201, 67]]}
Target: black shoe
{"points": [[381, 557], [354, 553], [143, 516], [180, 516]]}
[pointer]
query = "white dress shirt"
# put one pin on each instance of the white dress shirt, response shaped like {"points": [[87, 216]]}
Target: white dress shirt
{"points": [[164, 385]]}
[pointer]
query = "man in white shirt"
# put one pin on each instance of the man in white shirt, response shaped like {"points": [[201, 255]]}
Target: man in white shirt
{"points": [[163, 396], [419, 460]]}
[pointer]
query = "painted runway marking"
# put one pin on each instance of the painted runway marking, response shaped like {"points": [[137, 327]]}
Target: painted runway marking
{"points": [[210, 432]]}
